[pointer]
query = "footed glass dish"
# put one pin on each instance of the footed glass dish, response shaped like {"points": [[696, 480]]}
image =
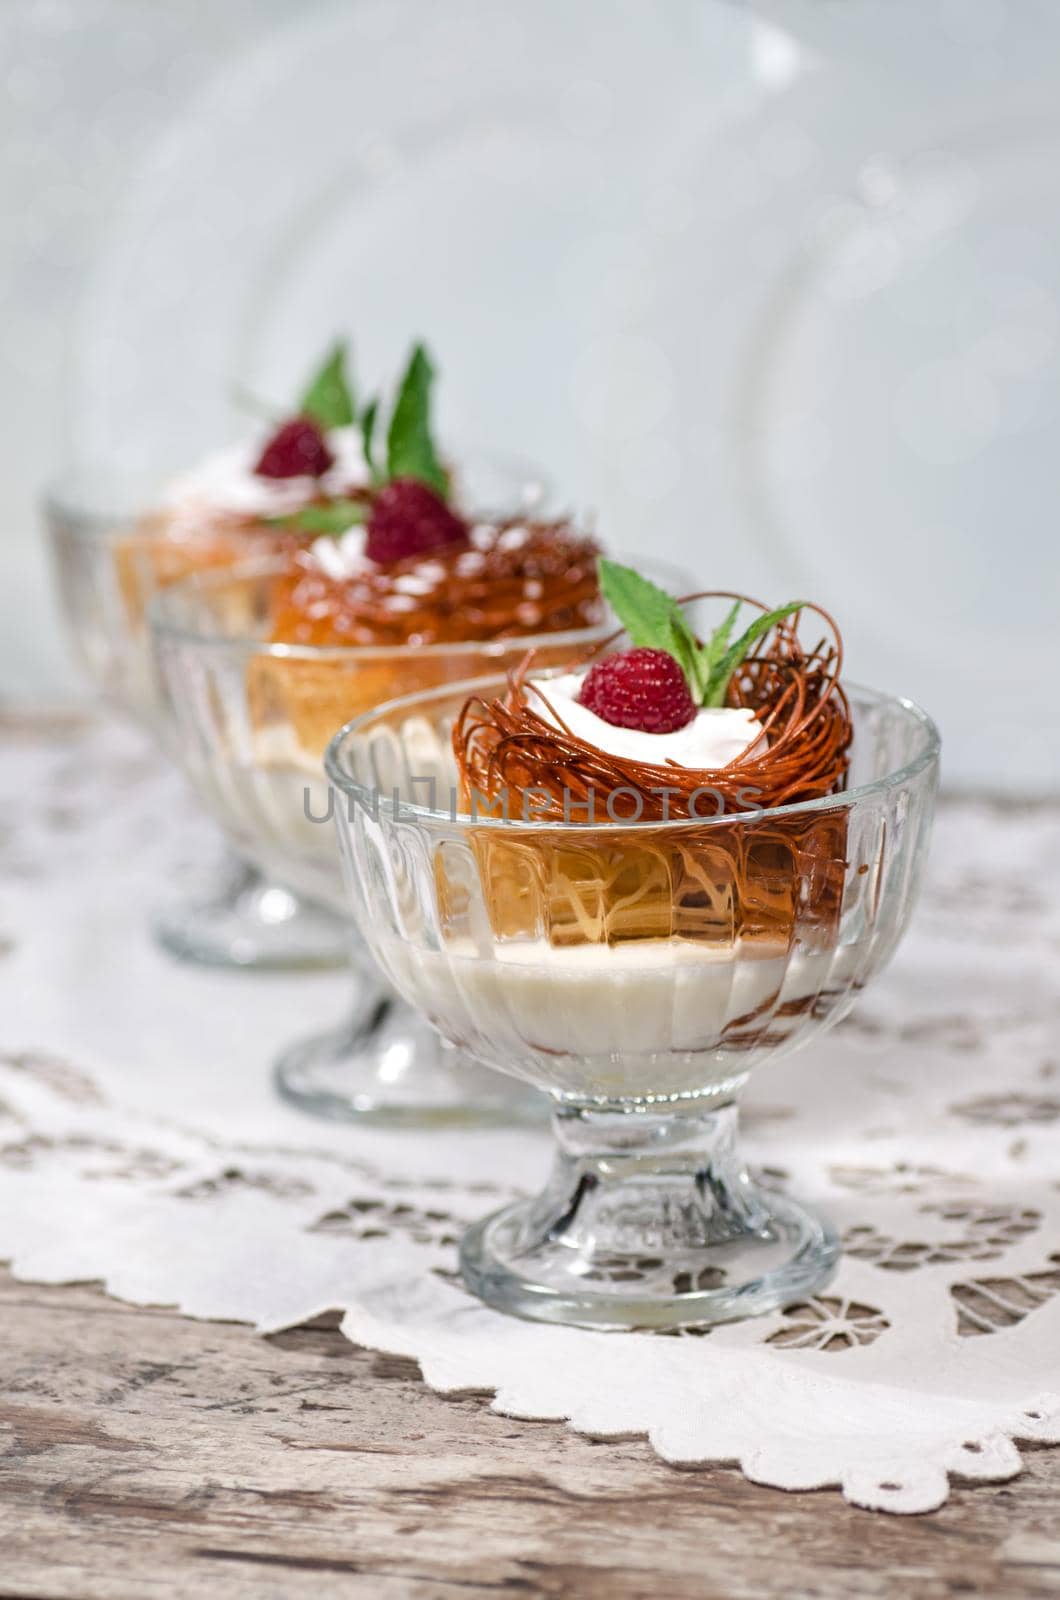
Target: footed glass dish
{"points": [[637, 973], [110, 557], [252, 720]]}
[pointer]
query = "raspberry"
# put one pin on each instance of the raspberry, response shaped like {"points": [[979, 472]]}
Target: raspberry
{"points": [[643, 689], [408, 519], [296, 450]]}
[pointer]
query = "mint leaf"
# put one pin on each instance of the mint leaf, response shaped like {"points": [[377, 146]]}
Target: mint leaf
{"points": [[333, 518], [705, 658], [685, 648], [723, 669], [718, 642], [655, 621], [644, 610], [650, 616], [410, 450], [329, 398], [369, 417]]}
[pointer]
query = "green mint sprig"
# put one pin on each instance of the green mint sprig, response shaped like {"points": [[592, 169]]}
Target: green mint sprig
{"points": [[329, 399], [654, 620], [368, 420], [334, 517], [410, 447], [410, 451]]}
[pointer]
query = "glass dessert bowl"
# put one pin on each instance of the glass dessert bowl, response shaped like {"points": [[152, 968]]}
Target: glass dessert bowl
{"points": [[637, 966], [258, 678], [117, 541], [106, 573]]}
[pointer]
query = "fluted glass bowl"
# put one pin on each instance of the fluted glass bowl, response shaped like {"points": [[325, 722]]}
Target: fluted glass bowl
{"points": [[110, 557], [252, 719], [637, 973]]}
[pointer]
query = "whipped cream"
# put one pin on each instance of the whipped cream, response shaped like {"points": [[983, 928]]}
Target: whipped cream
{"points": [[716, 736], [343, 557], [226, 480]]}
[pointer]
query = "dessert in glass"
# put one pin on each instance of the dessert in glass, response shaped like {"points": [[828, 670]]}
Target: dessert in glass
{"points": [[262, 665], [674, 863], [117, 539]]}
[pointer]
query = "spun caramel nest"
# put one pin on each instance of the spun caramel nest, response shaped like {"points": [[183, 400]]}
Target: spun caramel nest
{"points": [[514, 577], [503, 747]]}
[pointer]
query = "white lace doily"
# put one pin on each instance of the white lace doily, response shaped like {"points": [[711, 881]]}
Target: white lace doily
{"points": [[141, 1145]]}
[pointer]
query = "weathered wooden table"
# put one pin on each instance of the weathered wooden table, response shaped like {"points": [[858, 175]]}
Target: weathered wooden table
{"points": [[146, 1454]]}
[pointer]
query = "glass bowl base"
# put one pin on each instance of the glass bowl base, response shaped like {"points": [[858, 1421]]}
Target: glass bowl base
{"points": [[649, 1220], [792, 1257], [250, 922], [388, 1066]]}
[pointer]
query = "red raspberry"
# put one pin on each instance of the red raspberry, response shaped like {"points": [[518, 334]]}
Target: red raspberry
{"points": [[643, 689], [296, 450], [408, 519]]}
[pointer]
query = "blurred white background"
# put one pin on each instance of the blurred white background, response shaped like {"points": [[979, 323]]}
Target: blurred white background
{"points": [[777, 298]]}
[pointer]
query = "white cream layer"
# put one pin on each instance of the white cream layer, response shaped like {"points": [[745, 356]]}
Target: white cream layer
{"points": [[715, 737], [226, 480], [591, 1015]]}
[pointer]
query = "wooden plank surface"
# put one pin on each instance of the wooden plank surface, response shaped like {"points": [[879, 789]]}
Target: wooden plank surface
{"points": [[148, 1455]]}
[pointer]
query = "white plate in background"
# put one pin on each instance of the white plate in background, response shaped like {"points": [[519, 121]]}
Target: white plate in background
{"points": [[870, 396], [802, 340], [488, 176]]}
